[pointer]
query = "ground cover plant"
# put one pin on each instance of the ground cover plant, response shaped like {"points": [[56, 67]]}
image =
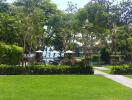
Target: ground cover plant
{"points": [[69, 87]]}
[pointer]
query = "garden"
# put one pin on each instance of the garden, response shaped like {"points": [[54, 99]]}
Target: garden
{"points": [[47, 53]]}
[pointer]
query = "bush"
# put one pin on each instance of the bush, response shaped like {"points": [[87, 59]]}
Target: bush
{"points": [[82, 70], [10, 54], [48, 69], [44, 70], [69, 62], [121, 69], [83, 63], [11, 70]]}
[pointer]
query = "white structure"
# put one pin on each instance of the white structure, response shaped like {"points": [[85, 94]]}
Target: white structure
{"points": [[69, 52], [39, 51]]}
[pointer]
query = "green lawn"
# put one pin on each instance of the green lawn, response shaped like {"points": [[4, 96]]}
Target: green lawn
{"points": [[105, 71], [61, 88], [129, 76]]}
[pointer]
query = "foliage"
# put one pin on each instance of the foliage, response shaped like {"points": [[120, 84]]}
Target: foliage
{"points": [[126, 12], [121, 69], [10, 54], [105, 56], [72, 46], [44, 69], [69, 60], [4, 7], [95, 58], [8, 28], [33, 24]]}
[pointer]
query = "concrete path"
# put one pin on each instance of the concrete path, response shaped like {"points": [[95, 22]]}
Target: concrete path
{"points": [[102, 68], [117, 78]]}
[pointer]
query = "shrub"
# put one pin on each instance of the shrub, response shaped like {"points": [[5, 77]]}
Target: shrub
{"points": [[11, 70], [10, 54], [82, 70], [48, 69], [121, 69], [60, 69], [44, 70], [69, 62], [83, 63]]}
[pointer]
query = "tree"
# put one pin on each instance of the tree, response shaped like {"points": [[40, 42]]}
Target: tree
{"points": [[126, 12], [129, 40], [105, 56], [4, 7], [35, 15], [93, 24], [8, 28], [62, 26]]}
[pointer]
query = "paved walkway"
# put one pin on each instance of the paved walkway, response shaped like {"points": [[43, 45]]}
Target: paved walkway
{"points": [[118, 78], [102, 68]]}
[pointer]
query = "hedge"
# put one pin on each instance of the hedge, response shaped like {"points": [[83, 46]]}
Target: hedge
{"points": [[44, 70], [10, 54], [121, 69]]}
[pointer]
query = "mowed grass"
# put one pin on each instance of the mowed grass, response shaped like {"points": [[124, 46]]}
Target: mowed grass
{"points": [[70, 87], [129, 76], [105, 71]]}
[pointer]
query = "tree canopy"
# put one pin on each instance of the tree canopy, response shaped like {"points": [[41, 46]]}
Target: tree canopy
{"points": [[33, 24]]}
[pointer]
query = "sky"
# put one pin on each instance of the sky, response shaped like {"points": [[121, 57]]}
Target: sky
{"points": [[62, 4]]}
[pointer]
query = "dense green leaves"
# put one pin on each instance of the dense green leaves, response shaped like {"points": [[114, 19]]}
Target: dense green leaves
{"points": [[8, 28], [33, 24], [10, 54]]}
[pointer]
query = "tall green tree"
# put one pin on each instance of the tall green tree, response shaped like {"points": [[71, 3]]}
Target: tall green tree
{"points": [[35, 15], [8, 28]]}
